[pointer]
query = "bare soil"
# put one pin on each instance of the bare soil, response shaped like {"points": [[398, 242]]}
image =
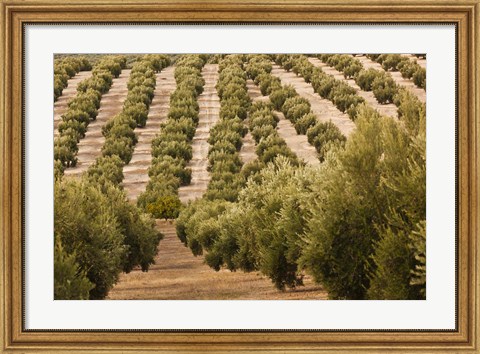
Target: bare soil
{"points": [[384, 109], [178, 275], [397, 76], [90, 147], [136, 172], [324, 109], [209, 104], [60, 106]]}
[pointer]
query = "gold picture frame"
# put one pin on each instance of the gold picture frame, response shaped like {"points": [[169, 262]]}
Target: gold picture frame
{"points": [[464, 14]]}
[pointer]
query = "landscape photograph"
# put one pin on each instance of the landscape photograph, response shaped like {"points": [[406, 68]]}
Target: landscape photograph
{"points": [[239, 176]]}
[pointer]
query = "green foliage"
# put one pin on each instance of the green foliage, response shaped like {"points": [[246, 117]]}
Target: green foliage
{"points": [[420, 78], [279, 96], [166, 207], [384, 89], [106, 169], [85, 223], [70, 283], [338, 251], [365, 78], [168, 166], [410, 110], [324, 135], [392, 61], [418, 246], [104, 232]]}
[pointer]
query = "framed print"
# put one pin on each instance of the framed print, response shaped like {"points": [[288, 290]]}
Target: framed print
{"points": [[273, 176]]}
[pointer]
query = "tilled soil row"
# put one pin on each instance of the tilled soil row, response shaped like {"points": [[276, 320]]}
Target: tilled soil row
{"points": [[324, 109], [209, 104], [384, 109], [60, 106], [397, 76], [136, 172], [178, 275], [90, 147]]}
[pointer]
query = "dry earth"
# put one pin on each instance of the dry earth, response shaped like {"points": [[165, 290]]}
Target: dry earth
{"points": [[178, 275], [90, 147]]}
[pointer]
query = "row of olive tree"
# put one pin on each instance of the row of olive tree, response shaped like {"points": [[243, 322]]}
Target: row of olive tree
{"points": [[342, 95], [409, 69], [322, 135], [356, 224], [225, 165], [171, 148], [66, 68], [83, 109], [120, 138], [199, 225], [384, 88], [98, 233]]}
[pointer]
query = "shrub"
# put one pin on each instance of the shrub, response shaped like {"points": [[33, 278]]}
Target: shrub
{"points": [[365, 78], [302, 125], [297, 111], [182, 126], [323, 84], [262, 131], [138, 112], [169, 166], [279, 97], [72, 128], [175, 149], [420, 78], [268, 83], [106, 168], [384, 89], [65, 155], [351, 70], [392, 61], [166, 207], [121, 147], [322, 135], [407, 68]]}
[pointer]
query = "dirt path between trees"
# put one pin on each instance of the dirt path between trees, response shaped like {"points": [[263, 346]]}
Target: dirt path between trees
{"points": [[324, 109], [397, 76], [136, 172], [178, 275], [209, 104], [384, 109], [60, 106], [90, 147]]}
